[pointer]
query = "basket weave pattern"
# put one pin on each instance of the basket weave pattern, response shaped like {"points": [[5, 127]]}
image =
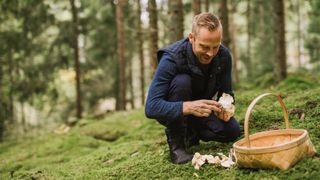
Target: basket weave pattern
{"points": [[272, 149]]}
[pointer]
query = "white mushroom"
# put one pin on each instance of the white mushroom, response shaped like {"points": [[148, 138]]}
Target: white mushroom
{"points": [[213, 160], [227, 161], [198, 160], [226, 101]]}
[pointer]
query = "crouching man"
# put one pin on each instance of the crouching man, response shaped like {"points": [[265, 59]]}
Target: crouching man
{"points": [[191, 72]]}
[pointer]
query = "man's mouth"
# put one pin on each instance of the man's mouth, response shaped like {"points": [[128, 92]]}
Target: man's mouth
{"points": [[206, 58]]}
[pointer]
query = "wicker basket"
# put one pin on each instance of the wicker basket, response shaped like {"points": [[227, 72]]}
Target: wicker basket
{"points": [[272, 149]]}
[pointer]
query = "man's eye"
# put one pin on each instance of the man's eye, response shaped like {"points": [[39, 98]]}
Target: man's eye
{"points": [[204, 47]]}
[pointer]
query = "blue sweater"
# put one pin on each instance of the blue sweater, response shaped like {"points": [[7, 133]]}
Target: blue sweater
{"points": [[157, 107]]}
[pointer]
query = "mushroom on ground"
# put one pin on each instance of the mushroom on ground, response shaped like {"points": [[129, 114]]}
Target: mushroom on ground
{"points": [[198, 160]]}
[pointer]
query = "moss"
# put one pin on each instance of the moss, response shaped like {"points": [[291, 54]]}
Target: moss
{"points": [[140, 150], [294, 83]]}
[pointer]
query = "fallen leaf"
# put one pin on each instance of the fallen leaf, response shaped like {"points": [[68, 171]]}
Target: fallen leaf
{"points": [[196, 175]]}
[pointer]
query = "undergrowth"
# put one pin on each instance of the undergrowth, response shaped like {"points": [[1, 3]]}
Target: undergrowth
{"points": [[127, 145]]}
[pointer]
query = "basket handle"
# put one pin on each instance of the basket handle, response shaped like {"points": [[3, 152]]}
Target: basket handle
{"points": [[253, 103]]}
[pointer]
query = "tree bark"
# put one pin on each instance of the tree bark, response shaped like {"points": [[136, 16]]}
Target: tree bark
{"points": [[140, 49], [234, 46], [76, 56], [196, 7], [299, 33], [207, 5], [11, 101], [131, 100], [249, 35], [225, 23], [279, 29], [176, 20], [3, 104], [153, 32], [120, 52]]}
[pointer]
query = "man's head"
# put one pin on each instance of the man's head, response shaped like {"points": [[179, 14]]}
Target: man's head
{"points": [[205, 37]]}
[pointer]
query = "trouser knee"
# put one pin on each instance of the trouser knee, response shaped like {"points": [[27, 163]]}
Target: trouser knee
{"points": [[232, 130], [214, 129]]}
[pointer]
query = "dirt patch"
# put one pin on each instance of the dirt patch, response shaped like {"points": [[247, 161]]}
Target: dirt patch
{"points": [[311, 104], [105, 135]]}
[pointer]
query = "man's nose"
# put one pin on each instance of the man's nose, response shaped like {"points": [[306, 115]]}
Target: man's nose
{"points": [[210, 53]]}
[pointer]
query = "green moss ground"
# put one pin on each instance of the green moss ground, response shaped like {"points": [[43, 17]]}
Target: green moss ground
{"points": [[127, 145]]}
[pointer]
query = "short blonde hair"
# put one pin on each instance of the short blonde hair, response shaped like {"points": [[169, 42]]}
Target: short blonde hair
{"points": [[207, 20]]}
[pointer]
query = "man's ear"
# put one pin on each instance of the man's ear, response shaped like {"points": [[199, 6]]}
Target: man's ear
{"points": [[191, 37]]}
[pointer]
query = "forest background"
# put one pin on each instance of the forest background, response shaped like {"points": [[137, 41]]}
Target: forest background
{"points": [[74, 75], [65, 60]]}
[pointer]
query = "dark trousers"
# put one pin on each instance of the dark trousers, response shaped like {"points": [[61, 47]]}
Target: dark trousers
{"points": [[205, 128]]}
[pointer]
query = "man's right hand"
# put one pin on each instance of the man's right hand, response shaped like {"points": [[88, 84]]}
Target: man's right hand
{"points": [[201, 108]]}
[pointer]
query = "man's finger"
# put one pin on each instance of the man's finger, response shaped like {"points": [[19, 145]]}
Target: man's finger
{"points": [[212, 102], [216, 109]]}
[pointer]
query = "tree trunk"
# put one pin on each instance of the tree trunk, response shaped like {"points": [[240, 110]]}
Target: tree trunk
{"points": [[207, 5], [234, 46], [176, 20], [262, 19], [140, 49], [196, 7], [120, 51], [299, 33], [3, 104], [249, 35], [281, 66], [153, 32], [23, 119], [76, 56], [225, 22], [11, 103], [131, 100]]}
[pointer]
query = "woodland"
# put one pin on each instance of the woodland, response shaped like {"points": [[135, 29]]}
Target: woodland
{"points": [[74, 77]]}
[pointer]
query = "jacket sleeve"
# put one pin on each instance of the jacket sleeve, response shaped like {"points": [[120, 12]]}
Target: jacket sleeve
{"points": [[225, 79], [157, 107]]}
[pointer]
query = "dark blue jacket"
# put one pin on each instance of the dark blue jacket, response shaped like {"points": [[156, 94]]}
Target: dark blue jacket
{"points": [[179, 58]]}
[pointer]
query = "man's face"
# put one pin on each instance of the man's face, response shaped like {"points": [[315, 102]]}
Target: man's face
{"points": [[205, 44]]}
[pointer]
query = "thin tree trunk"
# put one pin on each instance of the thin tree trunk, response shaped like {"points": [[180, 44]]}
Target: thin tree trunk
{"points": [[131, 100], [11, 105], [120, 52], [281, 66], [299, 33], [153, 32], [225, 23], [207, 5], [141, 56], [76, 56], [249, 34], [196, 7], [261, 19], [3, 104], [234, 46], [23, 118], [176, 17]]}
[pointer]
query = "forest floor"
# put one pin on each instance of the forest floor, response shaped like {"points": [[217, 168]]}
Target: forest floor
{"points": [[127, 145]]}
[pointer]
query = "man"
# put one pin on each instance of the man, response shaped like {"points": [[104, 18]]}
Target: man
{"points": [[191, 72]]}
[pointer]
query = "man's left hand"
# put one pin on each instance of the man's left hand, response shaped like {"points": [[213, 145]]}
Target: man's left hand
{"points": [[224, 115]]}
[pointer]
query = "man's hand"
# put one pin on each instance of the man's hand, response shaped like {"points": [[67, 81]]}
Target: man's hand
{"points": [[201, 108], [226, 114]]}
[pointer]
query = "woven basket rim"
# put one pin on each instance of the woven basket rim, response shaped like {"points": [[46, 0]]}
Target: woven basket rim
{"points": [[240, 146]]}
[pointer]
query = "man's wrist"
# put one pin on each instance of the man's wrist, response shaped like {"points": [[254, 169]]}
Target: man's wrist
{"points": [[185, 108]]}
